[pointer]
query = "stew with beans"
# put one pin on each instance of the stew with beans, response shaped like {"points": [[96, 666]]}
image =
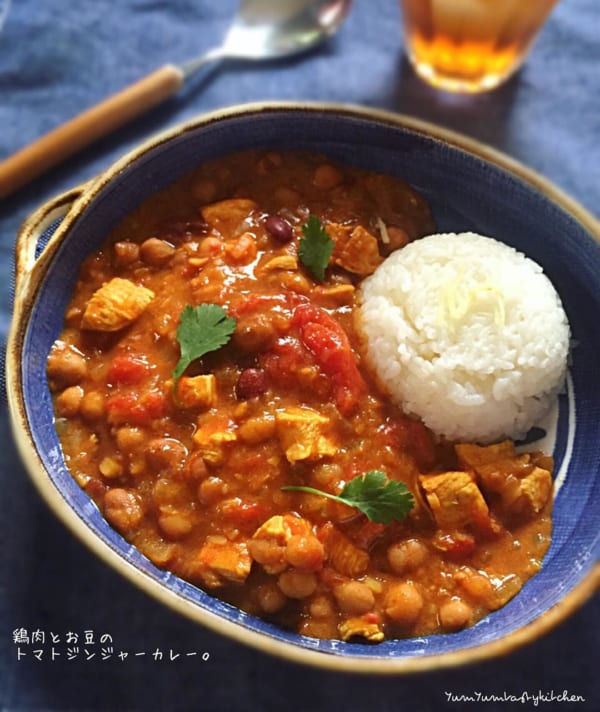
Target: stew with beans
{"points": [[191, 468]]}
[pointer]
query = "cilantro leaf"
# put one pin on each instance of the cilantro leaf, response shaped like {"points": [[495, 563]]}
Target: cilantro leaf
{"points": [[379, 498], [315, 247], [201, 329], [382, 500]]}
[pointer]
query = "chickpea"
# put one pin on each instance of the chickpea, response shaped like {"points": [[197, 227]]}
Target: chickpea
{"points": [[92, 406], [175, 525], [274, 158], [296, 584], [73, 317], [158, 551], [242, 250], [111, 467], [126, 253], [211, 490], [287, 196], [169, 492], [305, 552], [66, 365], [196, 467], [405, 556], [476, 585], [268, 162], [122, 509], [129, 439], [269, 554], [403, 603], [270, 598], [321, 607], [325, 629], [455, 614], [69, 401], [156, 252], [254, 333], [164, 454], [204, 190], [210, 247], [327, 177], [354, 597], [326, 475]]}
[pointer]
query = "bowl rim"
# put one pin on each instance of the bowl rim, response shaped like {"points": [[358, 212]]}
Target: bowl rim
{"points": [[30, 271]]}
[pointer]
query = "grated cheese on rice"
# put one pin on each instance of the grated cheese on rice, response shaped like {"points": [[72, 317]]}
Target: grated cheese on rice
{"points": [[467, 334]]}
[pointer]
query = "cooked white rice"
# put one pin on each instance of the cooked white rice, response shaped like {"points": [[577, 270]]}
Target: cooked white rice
{"points": [[467, 334]]}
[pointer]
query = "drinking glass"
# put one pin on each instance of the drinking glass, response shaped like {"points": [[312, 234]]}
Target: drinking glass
{"points": [[470, 45]]}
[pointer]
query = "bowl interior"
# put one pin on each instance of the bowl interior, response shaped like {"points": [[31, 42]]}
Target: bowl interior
{"points": [[466, 193]]}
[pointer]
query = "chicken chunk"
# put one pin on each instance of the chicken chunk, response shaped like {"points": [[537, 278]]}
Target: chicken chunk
{"points": [[197, 391], [302, 433], [356, 251], [503, 476], [221, 561], [536, 489], [213, 442], [227, 216], [268, 545], [242, 250], [455, 500], [337, 294], [257, 430], [115, 305], [281, 528], [523, 487], [361, 627], [346, 558], [471, 456], [281, 262]]}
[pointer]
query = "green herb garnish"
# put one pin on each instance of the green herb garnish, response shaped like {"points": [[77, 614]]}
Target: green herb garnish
{"points": [[201, 330], [315, 247], [373, 494]]}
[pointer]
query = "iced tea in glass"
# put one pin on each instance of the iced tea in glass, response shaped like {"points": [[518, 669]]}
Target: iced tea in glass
{"points": [[470, 45]]}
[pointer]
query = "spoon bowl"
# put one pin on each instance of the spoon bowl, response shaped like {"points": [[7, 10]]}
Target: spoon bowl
{"points": [[270, 29]]}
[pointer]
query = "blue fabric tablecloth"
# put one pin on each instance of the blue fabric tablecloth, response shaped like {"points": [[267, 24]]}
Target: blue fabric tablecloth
{"points": [[57, 58]]}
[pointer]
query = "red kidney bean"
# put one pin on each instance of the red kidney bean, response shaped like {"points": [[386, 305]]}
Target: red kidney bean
{"points": [[279, 229], [251, 383]]}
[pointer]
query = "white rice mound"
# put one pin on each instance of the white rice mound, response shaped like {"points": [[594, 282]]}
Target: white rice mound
{"points": [[467, 334]]}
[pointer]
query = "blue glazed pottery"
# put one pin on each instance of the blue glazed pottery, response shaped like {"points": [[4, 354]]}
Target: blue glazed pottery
{"points": [[470, 188]]}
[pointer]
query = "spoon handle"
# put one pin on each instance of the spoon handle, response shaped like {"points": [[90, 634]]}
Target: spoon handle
{"points": [[193, 65], [81, 131]]}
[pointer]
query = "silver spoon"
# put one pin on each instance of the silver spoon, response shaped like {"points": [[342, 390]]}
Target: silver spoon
{"points": [[271, 29], [261, 30]]}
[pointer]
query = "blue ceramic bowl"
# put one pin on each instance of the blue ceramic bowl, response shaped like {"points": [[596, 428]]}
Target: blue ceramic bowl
{"points": [[469, 187]]}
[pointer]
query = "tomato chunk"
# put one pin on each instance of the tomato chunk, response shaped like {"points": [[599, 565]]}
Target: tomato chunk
{"points": [[456, 545], [283, 360], [127, 369], [240, 513], [406, 434], [134, 410], [328, 342]]}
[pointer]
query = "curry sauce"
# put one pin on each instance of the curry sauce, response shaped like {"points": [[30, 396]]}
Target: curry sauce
{"points": [[190, 468]]}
